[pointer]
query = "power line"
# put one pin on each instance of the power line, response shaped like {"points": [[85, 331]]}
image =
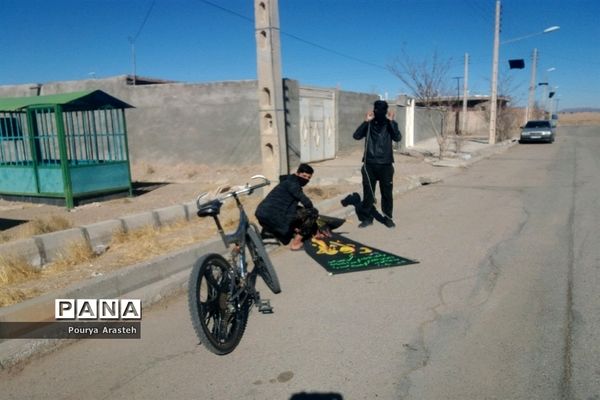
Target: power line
{"points": [[333, 51], [484, 14], [210, 3], [134, 38], [298, 38]]}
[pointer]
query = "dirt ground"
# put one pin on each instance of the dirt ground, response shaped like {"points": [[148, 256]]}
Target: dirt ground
{"points": [[155, 189], [163, 186], [152, 189]]}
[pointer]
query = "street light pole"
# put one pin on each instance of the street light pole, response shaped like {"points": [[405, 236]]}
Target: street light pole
{"points": [[547, 90], [494, 90], [547, 30], [531, 100], [465, 95], [494, 95]]}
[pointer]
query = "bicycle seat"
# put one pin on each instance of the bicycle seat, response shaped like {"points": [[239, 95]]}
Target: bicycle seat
{"points": [[210, 209]]}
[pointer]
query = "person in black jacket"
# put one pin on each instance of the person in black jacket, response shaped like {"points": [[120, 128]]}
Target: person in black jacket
{"points": [[281, 214], [379, 129]]}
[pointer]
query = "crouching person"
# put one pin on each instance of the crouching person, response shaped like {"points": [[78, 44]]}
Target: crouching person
{"points": [[287, 213]]}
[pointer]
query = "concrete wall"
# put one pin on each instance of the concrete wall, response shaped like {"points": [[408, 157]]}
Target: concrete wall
{"points": [[426, 121], [477, 122], [352, 108], [206, 124], [202, 124], [213, 123], [291, 98]]}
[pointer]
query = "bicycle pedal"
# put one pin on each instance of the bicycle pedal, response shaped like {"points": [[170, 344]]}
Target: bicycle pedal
{"points": [[264, 306]]}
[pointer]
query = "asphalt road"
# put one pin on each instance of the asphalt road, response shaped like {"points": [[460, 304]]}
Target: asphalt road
{"points": [[503, 305]]}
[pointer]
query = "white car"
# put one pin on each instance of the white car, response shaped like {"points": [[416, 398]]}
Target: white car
{"points": [[537, 131]]}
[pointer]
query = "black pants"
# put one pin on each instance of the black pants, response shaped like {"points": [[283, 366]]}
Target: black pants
{"points": [[304, 221], [384, 174]]}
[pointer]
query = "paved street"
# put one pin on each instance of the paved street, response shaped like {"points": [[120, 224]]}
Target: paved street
{"points": [[503, 305]]}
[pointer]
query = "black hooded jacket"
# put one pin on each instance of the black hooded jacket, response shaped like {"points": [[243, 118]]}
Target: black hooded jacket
{"points": [[378, 147], [277, 211]]}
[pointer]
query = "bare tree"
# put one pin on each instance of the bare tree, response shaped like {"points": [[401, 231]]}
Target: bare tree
{"points": [[428, 82], [508, 119]]}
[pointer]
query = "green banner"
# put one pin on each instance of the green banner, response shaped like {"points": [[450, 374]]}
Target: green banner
{"points": [[338, 254]]}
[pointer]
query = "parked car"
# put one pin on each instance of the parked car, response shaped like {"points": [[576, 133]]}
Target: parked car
{"points": [[538, 131]]}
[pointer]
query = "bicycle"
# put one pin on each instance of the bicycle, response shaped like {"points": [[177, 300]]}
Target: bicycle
{"points": [[221, 292]]}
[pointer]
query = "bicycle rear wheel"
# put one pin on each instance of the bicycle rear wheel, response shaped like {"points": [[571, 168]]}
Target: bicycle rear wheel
{"points": [[218, 323], [262, 263]]}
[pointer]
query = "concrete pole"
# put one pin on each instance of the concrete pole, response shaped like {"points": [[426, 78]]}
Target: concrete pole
{"points": [[531, 100], [545, 105], [409, 125], [270, 89], [494, 95], [465, 95]]}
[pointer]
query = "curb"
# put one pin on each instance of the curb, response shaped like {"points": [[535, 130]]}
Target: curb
{"points": [[152, 280], [40, 250]]}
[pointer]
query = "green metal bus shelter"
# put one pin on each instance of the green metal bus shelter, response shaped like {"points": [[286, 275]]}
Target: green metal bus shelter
{"points": [[64, 146]]}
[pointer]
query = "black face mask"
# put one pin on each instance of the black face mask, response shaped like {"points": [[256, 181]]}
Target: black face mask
{"points": [[380, 109], [302, 181], [380, 115]]}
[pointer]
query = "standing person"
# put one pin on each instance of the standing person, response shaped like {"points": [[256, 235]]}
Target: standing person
{"points": [[281, 214], [379, 129]]}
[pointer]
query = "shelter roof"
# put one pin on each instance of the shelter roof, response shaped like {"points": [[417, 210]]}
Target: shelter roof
{"points": [[74, 101]]}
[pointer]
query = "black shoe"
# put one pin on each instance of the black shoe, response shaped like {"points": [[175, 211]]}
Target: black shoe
{"points": [[389, 222], [365, 223]]}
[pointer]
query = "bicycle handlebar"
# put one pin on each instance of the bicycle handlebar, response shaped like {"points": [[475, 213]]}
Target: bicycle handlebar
{"points": [[245, 189]]}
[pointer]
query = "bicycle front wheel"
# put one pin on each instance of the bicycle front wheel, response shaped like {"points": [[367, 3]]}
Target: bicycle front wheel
{"points": [[262, 263], [219, 324]]}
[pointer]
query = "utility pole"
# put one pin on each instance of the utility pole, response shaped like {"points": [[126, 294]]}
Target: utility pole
{"points": [[270, 89], [133, 72], [456, 109], [531, 99], [458, 78], [465, 95], [494, 95], [545, 84]]}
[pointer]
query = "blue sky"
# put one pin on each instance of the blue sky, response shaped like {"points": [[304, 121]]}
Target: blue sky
{"points": [[327, 43]]}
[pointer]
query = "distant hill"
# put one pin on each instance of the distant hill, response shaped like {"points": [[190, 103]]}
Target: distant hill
{"points": [[581, 109]]}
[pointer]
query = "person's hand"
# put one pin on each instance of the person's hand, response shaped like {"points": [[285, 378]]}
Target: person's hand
{"points": [[370, 116], [391, 115]]}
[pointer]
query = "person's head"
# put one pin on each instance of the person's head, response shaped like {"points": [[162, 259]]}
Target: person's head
{"points": [[380, 108], [304, 173]]}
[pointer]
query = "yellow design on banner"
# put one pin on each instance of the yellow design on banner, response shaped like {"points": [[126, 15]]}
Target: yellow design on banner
{"points": [[336, 246]]}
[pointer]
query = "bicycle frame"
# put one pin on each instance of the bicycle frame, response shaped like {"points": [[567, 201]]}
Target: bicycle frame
{"points": [[238, 237], [221, 292]]}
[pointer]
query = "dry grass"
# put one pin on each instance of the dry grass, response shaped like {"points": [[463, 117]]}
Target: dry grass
{"points": [[37, 226], [579, 118], [9, 296], [4, 238], [79, 262], [77, 253], [16, 273], [14, 270], [55, 223]]}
